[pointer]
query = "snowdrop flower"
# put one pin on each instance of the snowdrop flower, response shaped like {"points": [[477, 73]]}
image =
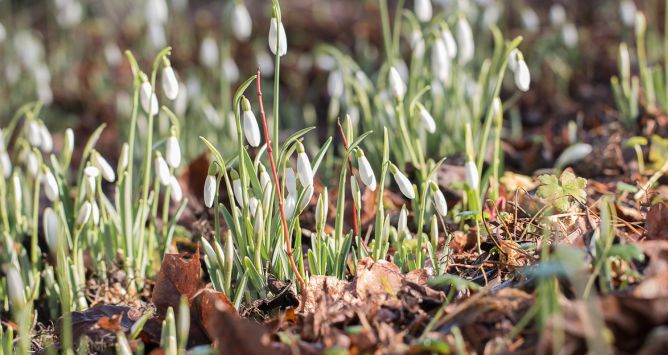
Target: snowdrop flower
{"points": [[50, 226], [68, 142], [208, 250], [95, 212], [251, 128], [15, 287], [157, 11], [304, 170], [149, 102], [289, 206], [306, 198], [522, 76], [491, 15], [162, 169], [112, 54], [277, 33], [102, 164], [208, 52], [449, 42], [465, 44], [45, 136], [231, 70], [423, 10], [439, 200], [242, 24], [237, 189], [18, 191], [417, 43], [557, 14], [258, 224], [169, 83], [177, 193], [426, 119], [173, 151], [209, 190], [627, 11], [50, 186], [402, 222], [569, 34], [253, 203], [90, 175], [69, 13], [181, 101], [156, 35], [123, 158], [265, 180], [6, 164], [440, 61], [513, 58], [84, 213], [34, 134], [32, 164], [397, 86], [366, 173], [405, 185], [335, 83], [471, 173], [290, 181], [264, 61], [530, 20]]}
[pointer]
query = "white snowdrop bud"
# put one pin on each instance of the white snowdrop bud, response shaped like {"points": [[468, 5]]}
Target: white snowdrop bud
{"points": [[402, 222], [90, 177], [426, 119], [68, 143], [423, 10], [50, 225], [440, 61], [102, 164], [471, 174], [417, 43], [557, 15], [162, 169], [149, 102], [449, 42], [208, 52], [258, 223], [497, 107], [513, 58], [397, 86], [112, 54], [308, 194], [522, 76], [47, 140], [170, 85], [157, 11], [95, 213], [84, 213], [530, 20], [253, 202], [465, 44], [50, 186], [208, 250], [439, 200], [335, 84], [404, 184], [177, 193], [265, 180], [242, 24], [627, 11], [355, 191], [304, 170], [6, 164], [230, 69], [15, 288], [573, 154], [289, 206], [365, 171], [123, 158], [209, 190], [277, 38], [251, 128], [32, 164], [569, 34], [18, 191], [237, 189], [290, 181], [34, 134], [173, 151]]}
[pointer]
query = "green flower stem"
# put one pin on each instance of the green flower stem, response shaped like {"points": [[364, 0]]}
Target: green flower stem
{"points": [[423, 206]]}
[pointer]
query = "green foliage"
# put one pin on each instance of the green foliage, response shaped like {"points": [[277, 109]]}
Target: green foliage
{"points": [[558, 190]]}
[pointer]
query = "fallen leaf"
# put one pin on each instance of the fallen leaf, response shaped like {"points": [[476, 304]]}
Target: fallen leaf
{"points": [[178, 277], [657, 222], [236, 336]]}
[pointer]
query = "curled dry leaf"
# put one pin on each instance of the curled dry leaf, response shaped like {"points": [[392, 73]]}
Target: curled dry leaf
{"points": [[657, 222]]}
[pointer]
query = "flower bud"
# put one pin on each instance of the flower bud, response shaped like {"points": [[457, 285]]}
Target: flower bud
{"points": [[471, 173], [173, 151], [440, 61], [209, 190], [465, 42], [208, 250], [149, 102], [251, 128], [423, 10], [177, 193], [237, 189], [426, 119], [439, 200], [397, 86], [50, 186], [50, 224], [404, 184], [15, 288], [265, 180], [170, 85], [522, 76], [242, 25], [277, 38], [365, 171], [45, 136], [95, 212], [161, 169], [304, 170], [102, 164], [84, 213]]}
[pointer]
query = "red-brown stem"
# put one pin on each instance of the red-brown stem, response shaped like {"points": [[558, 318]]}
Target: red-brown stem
{"points": [[350, 167], [284, 221]]}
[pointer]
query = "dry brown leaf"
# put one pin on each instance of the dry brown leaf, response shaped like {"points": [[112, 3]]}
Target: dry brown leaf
{"points": [[178, 277], [657, 222]]}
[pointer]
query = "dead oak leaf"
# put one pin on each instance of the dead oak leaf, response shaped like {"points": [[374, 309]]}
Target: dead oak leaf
{"points": [[177, 277]]}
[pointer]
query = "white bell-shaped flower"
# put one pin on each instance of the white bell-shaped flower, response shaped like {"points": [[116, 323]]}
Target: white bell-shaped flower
{"points": [[162, 169], [397, 85], [149, 102], [465, 43], [173, 151], [95, 213], [522, 76], [242, 25], [277, 38], [50, 186], [471, 174], [251, 128], [291, 181], [441, 62], [50, 225], [304, 170], [84, 213], [102, 164], [404, 184], [423, 10], [426, 119], [365, 171], [439, 200], [209, 190], [170, 85], [237, 189], [175, 187]]}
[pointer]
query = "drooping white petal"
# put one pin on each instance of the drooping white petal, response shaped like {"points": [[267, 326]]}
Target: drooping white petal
{"points": [[530, 20], [95, 213], [106, 169], [290, 181], [50, 227], [440, 61], [47, 140], [440, 203], [238, 192], [34, 134], [32, 164], [289, 206], [465, 43], [242, 24], [427, 119], [208, 52], [423, 10], [162, 170], [177, 193], [209, 190], [251, 128], [15, 288], [84, 213], [404, 184], [149, 102], [366, 173], [449, 42], [173, 152], [471, 173], [522, 76], [276, 30], [50, 186], [304, 170], [170, 85], [306, 198], [397, 86], [513, 58], [569, 35]]}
